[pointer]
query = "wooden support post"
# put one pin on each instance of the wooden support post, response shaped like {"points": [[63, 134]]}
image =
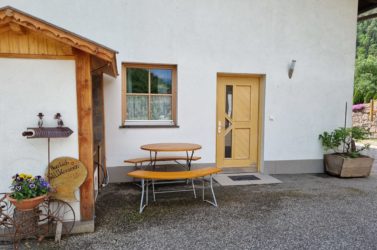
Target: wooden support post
{"points": [[371, 112], [85, 131]]}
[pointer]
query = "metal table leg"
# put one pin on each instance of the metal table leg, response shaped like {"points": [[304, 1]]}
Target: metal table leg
{"points": [[144, 189], [188, 162], [153, 160], [193, 187], [189, 159], [213, 202], [147, 192], [137, 167], [154, 194]]}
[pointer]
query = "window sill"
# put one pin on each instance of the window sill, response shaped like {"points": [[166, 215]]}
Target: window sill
{"points": [[149, 126]]}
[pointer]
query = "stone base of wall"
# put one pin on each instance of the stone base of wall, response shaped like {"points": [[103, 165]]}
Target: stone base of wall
{"points": [[361, 119]]}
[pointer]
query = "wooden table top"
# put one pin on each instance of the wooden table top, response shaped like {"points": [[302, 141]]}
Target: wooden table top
{"points": [[171, 147]]}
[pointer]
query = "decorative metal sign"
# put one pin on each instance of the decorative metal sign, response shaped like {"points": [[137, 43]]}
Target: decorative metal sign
{"points": [[60, 132], [66, 174]]}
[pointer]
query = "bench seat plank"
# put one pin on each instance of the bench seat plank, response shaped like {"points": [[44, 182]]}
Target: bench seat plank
{"points": [[155, 175], [161, 158]]}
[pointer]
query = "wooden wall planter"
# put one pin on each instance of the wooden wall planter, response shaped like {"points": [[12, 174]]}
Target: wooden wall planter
{"points": [[341, 166]]}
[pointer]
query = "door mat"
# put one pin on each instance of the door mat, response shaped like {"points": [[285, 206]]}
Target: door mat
{"points": [[244, 179]]}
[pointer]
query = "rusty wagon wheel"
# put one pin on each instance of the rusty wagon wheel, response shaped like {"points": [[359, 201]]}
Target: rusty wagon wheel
{"points": [[7, 224], [57, 218]]}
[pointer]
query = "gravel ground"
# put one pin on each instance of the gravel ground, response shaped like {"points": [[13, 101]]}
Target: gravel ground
{"points": [[372, 152], [311, 211]]}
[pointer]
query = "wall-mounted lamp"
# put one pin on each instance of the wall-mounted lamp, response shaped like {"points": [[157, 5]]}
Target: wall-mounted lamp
{"points": [[291, 68]]}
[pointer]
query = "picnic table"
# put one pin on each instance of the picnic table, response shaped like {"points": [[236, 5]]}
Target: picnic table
{"points": [[146, 176], [188, 148]]}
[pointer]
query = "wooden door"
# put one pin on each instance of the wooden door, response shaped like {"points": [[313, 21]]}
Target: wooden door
{"points": [[237, 121]]}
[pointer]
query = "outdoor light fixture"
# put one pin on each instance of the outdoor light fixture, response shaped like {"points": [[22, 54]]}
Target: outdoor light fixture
{"points": [[291, 68]]}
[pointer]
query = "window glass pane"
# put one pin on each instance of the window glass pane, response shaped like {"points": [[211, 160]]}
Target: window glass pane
{"points": [[227, 123], [137, 107], [229, 100], [161, 81], [137, 80], [228, 145], [161, 107]]}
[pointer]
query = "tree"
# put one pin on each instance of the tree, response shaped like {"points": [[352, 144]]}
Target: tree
{"points": [[365, 87]]}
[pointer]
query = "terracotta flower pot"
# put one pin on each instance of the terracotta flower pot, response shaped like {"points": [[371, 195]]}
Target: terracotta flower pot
{"points": [[27, 204]]}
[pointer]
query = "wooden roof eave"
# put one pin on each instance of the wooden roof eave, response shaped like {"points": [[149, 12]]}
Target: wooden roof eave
{"points": [[367, 9], [11, 15], [366, 5]]}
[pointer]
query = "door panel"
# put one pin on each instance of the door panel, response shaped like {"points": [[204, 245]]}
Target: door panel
{"points": [[237, 121], [242, 103], [242, 144]]}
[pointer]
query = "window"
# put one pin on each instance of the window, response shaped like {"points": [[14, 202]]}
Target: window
{"points": [[149, 94]]}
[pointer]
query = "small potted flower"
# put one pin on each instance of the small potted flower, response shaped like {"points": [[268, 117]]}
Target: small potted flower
{"points": [[28, 191]]}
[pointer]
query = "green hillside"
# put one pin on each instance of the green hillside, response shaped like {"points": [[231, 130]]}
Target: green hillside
{"points": [[366, 62]]}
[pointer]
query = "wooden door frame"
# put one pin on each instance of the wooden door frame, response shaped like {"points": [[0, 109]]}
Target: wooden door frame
{"points": [[261, 114]]}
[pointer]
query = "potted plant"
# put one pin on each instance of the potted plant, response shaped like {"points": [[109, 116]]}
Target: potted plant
{"points": [[345, 159], [28, 191]]}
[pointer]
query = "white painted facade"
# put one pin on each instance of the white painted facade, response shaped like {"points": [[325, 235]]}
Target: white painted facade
{"points": [[30, 86], [204, 37]]}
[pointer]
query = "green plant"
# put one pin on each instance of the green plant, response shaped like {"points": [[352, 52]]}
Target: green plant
{"points": [[342, 140], [365, 87], [25, 186]]}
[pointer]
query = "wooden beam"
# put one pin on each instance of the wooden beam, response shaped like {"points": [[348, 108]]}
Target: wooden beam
{"points": [[17, 28], [85, 124], [4, 28], [366, 17], [36, 56]]}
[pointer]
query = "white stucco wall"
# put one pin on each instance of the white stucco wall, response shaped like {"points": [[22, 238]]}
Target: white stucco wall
{"points": [[238, 36], [27, 87]]}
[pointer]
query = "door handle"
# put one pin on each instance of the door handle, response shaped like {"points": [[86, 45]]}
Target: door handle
{"points": [[219, 127]]}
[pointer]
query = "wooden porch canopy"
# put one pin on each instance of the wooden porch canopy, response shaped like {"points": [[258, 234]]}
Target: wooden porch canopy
{"points": [[59, 42], [25, 36]]}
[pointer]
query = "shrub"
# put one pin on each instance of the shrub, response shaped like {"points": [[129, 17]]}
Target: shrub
{"points": [[342, 141]]}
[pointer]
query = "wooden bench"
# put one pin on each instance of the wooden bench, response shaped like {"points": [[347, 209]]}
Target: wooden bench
{"points": [[137, 161], [145, 176]]}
